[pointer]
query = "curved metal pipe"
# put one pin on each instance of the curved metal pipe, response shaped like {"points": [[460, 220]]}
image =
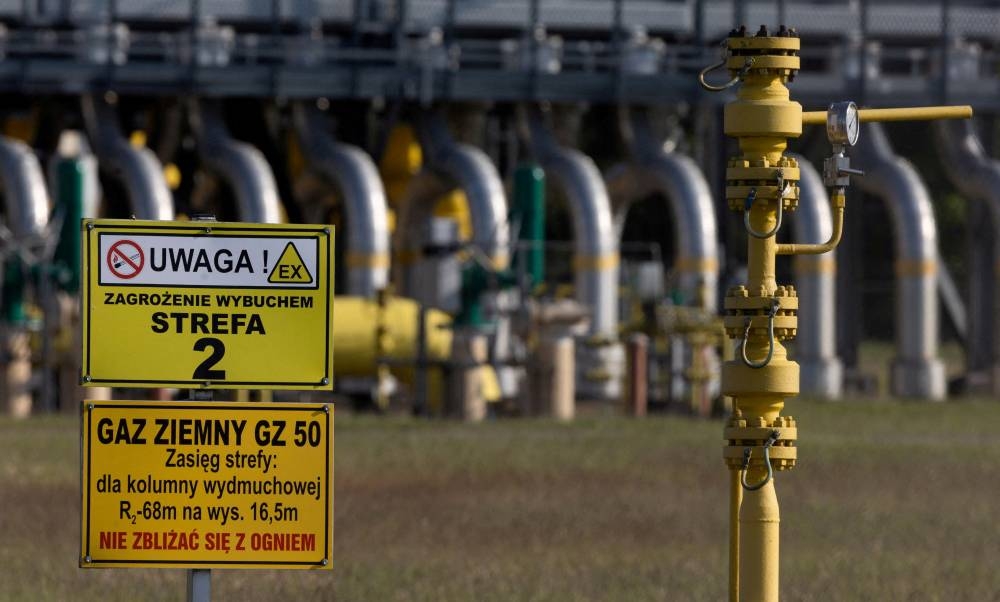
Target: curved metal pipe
{"points": [[977, 176], [25, 197], [654, 168], [242, 166], [449, 164], [363, 196], [149, 197], [917, 371], [595, 258], [821, 372], [595, 238]]}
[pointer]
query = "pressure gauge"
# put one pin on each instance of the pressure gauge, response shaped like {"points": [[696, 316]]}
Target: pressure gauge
{"points": [[843, 124]]}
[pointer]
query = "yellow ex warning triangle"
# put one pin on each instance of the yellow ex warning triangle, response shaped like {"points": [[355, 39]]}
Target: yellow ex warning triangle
{"points": [[290, 268]]}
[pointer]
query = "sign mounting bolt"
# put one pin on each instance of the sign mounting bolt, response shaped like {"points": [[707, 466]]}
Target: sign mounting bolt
{"points": [[86, 378], [90, 225], [86, 558], [90, 406], [323, 562], [324, 381]]}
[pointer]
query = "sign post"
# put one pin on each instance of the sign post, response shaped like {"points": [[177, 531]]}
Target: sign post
{"points": [[200, 485]]}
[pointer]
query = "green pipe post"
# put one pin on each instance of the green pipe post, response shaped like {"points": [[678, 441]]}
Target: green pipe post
{"points": [[529, 211], [12, 306], [70, 186]]}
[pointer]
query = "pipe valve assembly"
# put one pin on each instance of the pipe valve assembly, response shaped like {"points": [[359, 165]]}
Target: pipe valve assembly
{"points": [[762, 183]]}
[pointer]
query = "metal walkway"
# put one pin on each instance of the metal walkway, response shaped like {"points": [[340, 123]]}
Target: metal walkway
{"points": [[634, 51]]}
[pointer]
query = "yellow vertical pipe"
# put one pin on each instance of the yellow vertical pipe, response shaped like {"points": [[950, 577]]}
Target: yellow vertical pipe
{"points": [[735, 499], [761, 253], [759, 518], [758, 529], [762, 119]]}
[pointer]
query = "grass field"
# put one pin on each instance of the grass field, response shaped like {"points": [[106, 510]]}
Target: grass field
{"points": [[890, 501]]}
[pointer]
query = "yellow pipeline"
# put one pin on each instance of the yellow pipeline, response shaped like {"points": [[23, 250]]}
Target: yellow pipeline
{"points": [[838, 201], [354, 320], [760, 183], [901, 114], [762, 119], [367, 343]]}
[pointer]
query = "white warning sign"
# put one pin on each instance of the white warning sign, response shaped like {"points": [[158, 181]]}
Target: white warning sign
{"points": [[208, 261]]}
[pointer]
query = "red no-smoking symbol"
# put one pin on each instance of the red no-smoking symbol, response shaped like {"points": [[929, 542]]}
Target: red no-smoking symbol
{"points": [[125, 259]]}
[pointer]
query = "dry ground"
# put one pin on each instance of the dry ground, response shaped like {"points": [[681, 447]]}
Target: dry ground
{"points": [[891, 501]]}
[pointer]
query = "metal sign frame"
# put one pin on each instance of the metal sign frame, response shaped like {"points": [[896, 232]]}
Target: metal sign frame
{"points": [[133, 425], [308, 329]]}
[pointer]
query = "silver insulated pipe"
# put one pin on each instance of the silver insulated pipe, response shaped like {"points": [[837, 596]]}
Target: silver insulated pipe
{"points": [[595, 259], [141, 171], [26, 200], [354, 173], [448, 165], [241, 165], [821, 372], [654, 167], [977, 176], [917, 371]]}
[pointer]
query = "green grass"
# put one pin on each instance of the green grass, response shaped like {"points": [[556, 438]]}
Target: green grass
{"points": [[890, 501]]}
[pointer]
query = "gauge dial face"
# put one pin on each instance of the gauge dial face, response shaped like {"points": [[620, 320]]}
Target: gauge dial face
{"points": [[843, 123]]}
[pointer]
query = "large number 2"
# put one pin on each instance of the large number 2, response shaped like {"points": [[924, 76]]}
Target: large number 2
{"points": [[204, 370]]}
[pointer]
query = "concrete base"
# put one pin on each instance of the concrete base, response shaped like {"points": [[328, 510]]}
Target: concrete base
{"points": [[918, 379], [550, 382], [995, 379], [464, 399], [822, 378], [15, 375], [599, 371]]}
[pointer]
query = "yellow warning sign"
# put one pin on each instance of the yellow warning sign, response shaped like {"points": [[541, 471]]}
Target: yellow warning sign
{"points": [[207, 305], [207, 485], [290, 267]]}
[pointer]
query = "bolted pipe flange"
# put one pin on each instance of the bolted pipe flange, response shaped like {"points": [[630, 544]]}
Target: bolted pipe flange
{"points": [[761, 182], [772, 55], [741, 307], [740, 436]]}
